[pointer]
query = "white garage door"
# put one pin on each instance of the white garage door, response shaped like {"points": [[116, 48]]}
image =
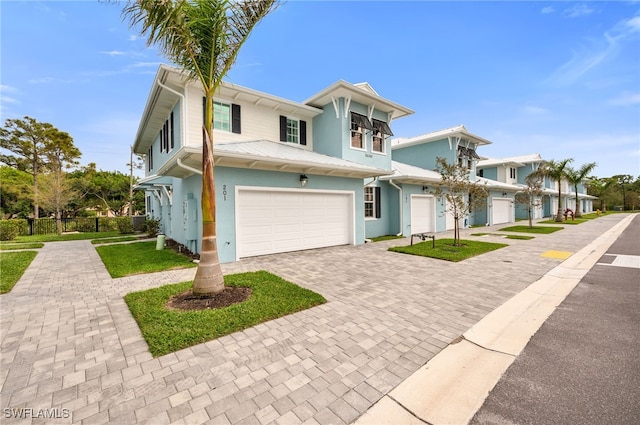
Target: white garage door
{"points": [[423, 214], [501, 211], [272, 221]]}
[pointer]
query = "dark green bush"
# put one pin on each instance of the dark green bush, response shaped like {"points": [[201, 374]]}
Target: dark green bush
{"points": [[9, 229], [125, 226], [151, 226]]}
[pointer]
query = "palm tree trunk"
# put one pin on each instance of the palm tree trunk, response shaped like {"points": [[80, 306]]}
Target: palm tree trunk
{"points": [[209, 279], [559, 213]]}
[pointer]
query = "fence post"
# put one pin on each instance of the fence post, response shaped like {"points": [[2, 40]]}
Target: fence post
{"points": [[30, 221], [97, 226]]}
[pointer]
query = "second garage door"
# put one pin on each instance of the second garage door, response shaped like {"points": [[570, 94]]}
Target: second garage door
{"points": [[501, 211], [269, 221], [423, 214]]}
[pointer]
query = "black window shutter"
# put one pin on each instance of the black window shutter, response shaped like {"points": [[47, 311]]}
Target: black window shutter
{"points": [[377, 200], [172, 132], [303, 132], [283, 128], [162, 139], [235, 118]]}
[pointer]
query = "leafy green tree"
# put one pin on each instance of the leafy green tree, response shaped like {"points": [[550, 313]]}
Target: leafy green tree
{"points": [[556, 171], [137, 164], [110, 189], [463, 196], [624, 182], [203, 37], [576, 177], [16, 193], [60, 154], [529, 196], [32, 146]]}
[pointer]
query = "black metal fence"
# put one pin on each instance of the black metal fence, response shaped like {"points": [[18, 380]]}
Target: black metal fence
{"points": [[47, 226]]}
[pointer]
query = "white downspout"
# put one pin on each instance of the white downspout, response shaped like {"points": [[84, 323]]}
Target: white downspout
{"points": [[186, 167], [401, 210]]}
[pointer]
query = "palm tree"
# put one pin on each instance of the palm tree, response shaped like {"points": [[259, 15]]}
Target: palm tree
{"points": [[556, 170], [203, 37], [575, 177]]}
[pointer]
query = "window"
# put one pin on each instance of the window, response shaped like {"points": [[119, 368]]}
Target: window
{"points": [[372, 202], [150, 159], [293, 130], [481, 173], [512, 172], [226, 116], [167, 135], [377, 143], [369, 201], [358, 124], [221, 116], [380, 130]]}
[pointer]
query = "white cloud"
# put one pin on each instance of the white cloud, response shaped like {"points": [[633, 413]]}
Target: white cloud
{"points": [[548, 9], [8, 89], [595, 52], [578, 10], [133, 37], [534, 110], [625, 99], [114, 53]]}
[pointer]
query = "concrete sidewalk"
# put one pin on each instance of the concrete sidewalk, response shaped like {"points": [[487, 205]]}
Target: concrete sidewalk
{"points": [[68, 341], [452, 386]]}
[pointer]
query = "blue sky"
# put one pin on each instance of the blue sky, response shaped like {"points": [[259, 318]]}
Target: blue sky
{"points": [[557, 78]]}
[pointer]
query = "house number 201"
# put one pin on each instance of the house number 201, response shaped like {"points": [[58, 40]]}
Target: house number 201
{"points": [[224, 192]]}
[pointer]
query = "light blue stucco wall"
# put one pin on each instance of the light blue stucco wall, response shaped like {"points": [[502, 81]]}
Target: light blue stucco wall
{"points": [[491, 173], [332, 136], [424, 156], [159, 158], [328, 133], [226, 181], [388, 222]]}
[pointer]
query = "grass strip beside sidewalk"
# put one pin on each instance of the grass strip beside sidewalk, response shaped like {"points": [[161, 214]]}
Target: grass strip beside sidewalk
{"points": [[12, 267], [140, 257]]}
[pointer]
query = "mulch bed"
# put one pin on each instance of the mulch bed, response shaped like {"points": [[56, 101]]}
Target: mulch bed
{"points": [[229, 296]]}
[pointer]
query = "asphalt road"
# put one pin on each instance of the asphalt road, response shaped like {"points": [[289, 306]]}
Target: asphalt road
{"points": [[583, 365]]}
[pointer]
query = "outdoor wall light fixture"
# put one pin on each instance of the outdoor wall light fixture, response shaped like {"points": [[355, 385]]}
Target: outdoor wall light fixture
{"points": [[425, 189], [304, 180], [504, 194]]}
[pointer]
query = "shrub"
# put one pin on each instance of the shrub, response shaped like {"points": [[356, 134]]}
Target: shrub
{"points": [[9, 229], [125, 226], [151, 226]]}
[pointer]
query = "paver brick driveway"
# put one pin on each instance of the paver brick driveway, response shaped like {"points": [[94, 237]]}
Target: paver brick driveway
{"points": [[69, 342]]}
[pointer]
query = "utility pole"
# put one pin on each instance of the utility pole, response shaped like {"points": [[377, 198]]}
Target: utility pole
{"points": [[131, 182]]}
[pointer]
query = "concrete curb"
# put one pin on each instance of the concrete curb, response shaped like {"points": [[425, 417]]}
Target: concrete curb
{"points": [[453, 385]]}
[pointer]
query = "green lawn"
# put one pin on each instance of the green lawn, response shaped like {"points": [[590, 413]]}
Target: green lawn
{"points": [[386, 238], [445, 250], [113, 240], [521, 237], [12, 267], [140, 257], [167, 331], [66, 237], [569, 221], [12, 245], [541, 230]]}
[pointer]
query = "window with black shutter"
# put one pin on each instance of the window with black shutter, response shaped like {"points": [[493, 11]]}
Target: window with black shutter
{"points": [[293, 130], [235, 118]]}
